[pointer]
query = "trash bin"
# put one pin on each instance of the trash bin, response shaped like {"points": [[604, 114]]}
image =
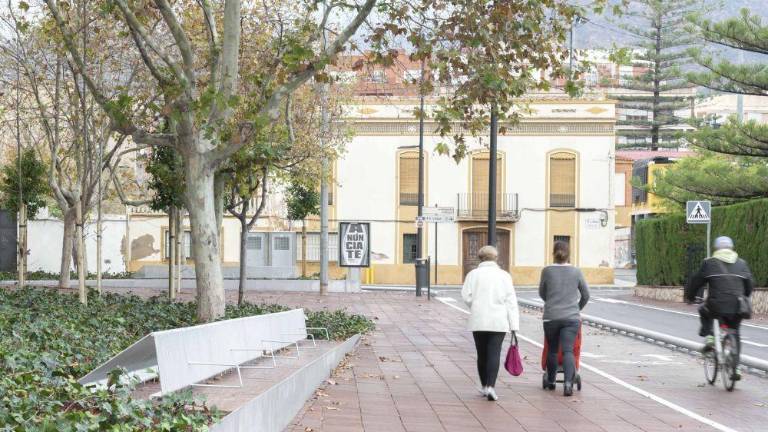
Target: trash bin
{"points": [[422, 275]]}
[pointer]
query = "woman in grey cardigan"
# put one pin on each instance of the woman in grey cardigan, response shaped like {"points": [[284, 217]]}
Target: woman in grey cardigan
{"points": [[565, 293]]}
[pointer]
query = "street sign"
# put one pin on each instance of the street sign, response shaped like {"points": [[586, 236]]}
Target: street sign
{"points": [[438, 214], [698, 212], [354, 244], [419, 221]]}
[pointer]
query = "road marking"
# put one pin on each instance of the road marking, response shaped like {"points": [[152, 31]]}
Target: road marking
{"points": [[754, 343], [659, 357], [590, 355], [616, 301], [622, 383]]}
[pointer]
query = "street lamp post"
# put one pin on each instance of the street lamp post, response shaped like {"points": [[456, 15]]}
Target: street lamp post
{"points": [[420, 230], [492, 176]]}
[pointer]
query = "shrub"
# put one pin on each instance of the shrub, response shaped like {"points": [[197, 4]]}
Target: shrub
{"points": [[48, 340], [668, 248]]}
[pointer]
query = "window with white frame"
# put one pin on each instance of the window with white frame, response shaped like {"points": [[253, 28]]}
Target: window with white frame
{"points": [[313, 247]]}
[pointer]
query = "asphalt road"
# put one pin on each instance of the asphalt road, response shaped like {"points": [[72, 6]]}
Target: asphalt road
{"points": [[613, 305]]}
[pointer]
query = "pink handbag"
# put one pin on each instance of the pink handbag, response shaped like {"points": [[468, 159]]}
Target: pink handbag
{"points": [[514, 364]]}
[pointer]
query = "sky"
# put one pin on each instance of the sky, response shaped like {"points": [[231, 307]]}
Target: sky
{"points": [[602, 33]]}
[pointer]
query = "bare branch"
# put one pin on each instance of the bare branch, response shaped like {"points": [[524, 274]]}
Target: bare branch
{"points": [[182, 41]]}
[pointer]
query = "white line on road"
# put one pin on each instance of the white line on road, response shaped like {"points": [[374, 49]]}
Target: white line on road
{"points": [[753, 343], [616, 301], [621, 382]]}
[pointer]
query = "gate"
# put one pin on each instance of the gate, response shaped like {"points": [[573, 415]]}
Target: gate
{"points": [[7, 241]]}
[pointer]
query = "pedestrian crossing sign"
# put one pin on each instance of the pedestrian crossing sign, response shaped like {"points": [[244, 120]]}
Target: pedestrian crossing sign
{"points": [[698, 212]]}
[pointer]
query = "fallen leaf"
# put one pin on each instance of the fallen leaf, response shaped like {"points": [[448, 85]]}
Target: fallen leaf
{"points": [[331, 382]]}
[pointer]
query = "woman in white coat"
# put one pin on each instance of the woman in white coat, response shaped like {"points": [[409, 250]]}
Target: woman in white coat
{"points": [[490, 295]]}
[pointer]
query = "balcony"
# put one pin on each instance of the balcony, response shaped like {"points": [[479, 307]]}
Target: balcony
{"points": [[409, 199], [474, 207]]}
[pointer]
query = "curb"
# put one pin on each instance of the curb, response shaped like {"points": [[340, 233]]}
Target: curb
{"points": [[754, 365], [274, 409]]}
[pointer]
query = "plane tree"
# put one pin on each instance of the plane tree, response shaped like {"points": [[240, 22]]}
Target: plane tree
{"points": [[200, 54]]}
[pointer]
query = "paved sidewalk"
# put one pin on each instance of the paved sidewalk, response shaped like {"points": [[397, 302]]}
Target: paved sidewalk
{"points": [[416, 373]]}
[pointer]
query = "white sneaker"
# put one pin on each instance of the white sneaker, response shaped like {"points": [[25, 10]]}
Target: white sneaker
{"points": [[492, 394], [483, 391]]}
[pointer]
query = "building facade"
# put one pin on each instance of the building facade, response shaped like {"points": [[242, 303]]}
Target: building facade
{"points": [[555, 182]]}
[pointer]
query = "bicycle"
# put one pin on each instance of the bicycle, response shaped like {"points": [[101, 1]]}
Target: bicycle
{"points": [[723, 358]]}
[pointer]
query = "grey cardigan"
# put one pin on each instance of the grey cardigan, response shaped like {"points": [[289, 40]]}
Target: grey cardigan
{"points": [[564, 291]]}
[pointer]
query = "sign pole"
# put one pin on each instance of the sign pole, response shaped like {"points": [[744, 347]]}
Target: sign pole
{"points": [[435, 253], [700, 212]]}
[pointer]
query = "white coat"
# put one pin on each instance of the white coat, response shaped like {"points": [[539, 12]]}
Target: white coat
{"points": [[490, 295]]}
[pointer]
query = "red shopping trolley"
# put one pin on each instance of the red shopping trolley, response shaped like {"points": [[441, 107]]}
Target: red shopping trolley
{"points": [[560, 375]]}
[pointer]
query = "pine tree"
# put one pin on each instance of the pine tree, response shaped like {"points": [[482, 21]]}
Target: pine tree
{"points": [[732, 160], [659, 48]]}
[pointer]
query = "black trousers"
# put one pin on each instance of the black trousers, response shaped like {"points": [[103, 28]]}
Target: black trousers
{"points": [[561, 334], [733, 321], [488, 345]]}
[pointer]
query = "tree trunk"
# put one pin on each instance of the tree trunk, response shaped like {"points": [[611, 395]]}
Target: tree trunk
{"points": [[80, 258], [304, 248], [66, 250], [243, 260], [179, 247], [205, 238], [218, 195], [171, 253], [21, 259]]}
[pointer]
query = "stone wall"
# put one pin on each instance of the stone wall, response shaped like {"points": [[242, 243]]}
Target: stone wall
{"points": [[675, 294]]}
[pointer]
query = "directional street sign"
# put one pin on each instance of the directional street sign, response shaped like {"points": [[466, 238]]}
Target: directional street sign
{"points": [[698, 212], [438, 214]]}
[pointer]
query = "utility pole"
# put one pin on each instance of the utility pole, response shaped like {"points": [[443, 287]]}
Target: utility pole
{"points": [[324, 192], [492, 168], [420, 210], [22, 214]]}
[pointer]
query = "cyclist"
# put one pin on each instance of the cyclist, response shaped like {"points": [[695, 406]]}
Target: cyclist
{"points": [[728, 277]]}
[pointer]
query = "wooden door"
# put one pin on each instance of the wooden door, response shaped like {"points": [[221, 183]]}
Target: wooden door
{"points": [[474, 239]]}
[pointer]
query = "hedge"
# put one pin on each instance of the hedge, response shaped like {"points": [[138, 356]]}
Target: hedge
{"points": [[667, 246]]}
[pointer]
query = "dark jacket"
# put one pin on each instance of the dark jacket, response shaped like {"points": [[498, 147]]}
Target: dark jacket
{"points": [[727, 281]]}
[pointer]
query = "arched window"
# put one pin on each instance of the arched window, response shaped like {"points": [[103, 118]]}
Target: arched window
{"points": [[409, 179], [562, 180]]}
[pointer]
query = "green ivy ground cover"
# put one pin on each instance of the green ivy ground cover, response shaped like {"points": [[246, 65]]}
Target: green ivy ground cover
{"points": [[44, 275], [48, 340]]}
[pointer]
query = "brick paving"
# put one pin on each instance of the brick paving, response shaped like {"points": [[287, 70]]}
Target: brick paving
{"points": [[416, 372]]}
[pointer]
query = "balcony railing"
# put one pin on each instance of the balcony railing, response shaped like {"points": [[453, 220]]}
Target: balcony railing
{"points": [[409, 199], [474, 206], [562, 200]]}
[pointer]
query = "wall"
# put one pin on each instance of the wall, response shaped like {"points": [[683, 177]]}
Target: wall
{"points": [[624, 212], [368, 185], [46, 237]]}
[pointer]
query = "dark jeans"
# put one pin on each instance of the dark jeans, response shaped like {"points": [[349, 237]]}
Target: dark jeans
{"points": [[488, 345], [561, 334], [733, 321]]}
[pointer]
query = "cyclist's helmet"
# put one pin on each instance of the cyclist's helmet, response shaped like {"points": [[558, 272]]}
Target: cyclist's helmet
{"points": [[723, 242]]}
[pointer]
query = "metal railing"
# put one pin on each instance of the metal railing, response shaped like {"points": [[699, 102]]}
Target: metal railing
{"points": [[409, 199], [474, 206], [562, 200]]}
